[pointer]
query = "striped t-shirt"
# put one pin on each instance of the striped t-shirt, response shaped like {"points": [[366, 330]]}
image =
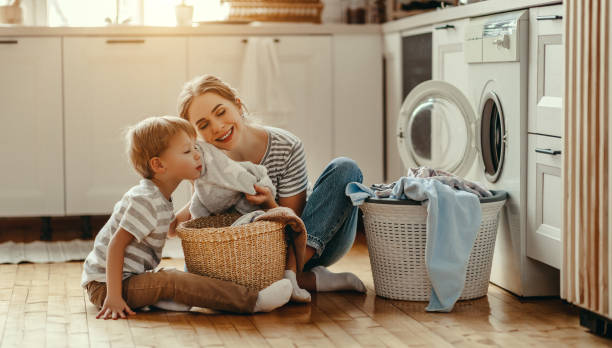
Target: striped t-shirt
{"points": [[284, 159], [145, 213]]}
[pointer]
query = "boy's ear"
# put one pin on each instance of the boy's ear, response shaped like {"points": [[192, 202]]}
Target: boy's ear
{"points": [[157, 165]]}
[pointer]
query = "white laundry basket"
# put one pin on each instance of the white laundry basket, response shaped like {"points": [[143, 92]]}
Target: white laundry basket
{"points": [[396, 234]]}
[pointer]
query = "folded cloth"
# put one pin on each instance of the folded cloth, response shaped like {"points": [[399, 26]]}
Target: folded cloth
{"points": [[453, 220], [450, 179], [223, 181]]}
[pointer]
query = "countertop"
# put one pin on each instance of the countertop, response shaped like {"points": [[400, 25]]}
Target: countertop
{"points": [[262, 28], [453, 13], [256, 28]]}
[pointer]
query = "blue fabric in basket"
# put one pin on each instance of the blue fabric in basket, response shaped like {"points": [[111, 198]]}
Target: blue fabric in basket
{"points": [[453, 220]]}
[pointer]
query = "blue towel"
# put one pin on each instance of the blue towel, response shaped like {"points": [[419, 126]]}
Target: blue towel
{"points": [[453, 221]]}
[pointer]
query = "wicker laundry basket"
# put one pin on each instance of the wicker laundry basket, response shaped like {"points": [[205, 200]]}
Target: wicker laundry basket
{"points": [[396, 232], [252, 255], [276, 10]]}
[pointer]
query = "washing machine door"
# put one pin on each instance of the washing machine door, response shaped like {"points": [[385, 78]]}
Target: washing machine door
{"points": [[492, 144], [436, 128]]}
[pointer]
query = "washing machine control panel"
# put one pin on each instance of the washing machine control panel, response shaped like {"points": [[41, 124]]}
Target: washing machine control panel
{"points": [[495, 38]]}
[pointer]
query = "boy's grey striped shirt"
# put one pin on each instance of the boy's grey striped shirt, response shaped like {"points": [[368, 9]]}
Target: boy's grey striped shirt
{"points": [[146, 214], [286, 162]]}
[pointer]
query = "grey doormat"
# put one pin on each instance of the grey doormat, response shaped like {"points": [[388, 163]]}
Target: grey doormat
{"points": [[62, 251]]}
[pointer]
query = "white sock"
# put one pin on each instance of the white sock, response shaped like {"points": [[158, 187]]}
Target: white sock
{"points": [[274, 296], [329, 281], [169, 305], [298, 294]]}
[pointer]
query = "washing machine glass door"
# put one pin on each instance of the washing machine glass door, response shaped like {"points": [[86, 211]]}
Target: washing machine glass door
{"points": [[436, 128], [492, 136]]}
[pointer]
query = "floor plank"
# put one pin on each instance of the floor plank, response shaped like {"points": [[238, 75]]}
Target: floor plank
{"points": [[44, 305]]}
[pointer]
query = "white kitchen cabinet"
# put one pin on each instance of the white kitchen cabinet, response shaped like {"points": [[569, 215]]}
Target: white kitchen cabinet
{"points": [[545, 199], [448, 64], [546, 70], [448, 59], [31, 140], [392, 53], [545, 127], [306, 69], [109, 84], [358, 103], [408, 57]]}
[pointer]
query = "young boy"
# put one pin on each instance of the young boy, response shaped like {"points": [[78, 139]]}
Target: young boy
{"points": [[118, 273]]}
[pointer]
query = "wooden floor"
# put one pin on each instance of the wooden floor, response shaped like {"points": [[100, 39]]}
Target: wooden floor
{"points": [[43, 305]]}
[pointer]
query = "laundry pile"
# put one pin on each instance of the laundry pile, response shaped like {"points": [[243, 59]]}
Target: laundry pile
{"points": [[453, 221], [223, 181]]}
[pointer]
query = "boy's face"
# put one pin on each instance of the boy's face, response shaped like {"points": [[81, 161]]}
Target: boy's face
{"points": [[181, 159]]}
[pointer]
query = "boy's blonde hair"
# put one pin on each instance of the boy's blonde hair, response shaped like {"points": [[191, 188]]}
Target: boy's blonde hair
{"points": [[151, 137], [204, 84]]}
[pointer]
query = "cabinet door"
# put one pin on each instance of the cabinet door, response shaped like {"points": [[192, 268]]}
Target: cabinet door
{"points": [[408, 62], [546, 70], [358, 103], [448, 59], [448, 64], [31, 141], [545, 199], [110, 84], [392, 53], [305, 64]]}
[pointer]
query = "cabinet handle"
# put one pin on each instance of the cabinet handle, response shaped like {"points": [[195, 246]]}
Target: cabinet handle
{"points": [[276, 40], [549, 18], [445, 26], [125, 41], [548, 151], [8, 42]]}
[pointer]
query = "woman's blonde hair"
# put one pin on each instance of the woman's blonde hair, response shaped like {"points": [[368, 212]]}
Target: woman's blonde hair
{"points": [[204, 84], [150, 138]]}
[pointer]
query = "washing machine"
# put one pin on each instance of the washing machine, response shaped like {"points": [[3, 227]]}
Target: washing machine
{"points": [[481, 134]]}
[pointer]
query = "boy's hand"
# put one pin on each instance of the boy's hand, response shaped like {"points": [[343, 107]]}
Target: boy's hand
{"points": [[114, 307], [262, 197], [172, 229]]}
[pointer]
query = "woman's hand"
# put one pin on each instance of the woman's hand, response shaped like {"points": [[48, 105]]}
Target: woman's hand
{"points": [[114, 307], [262, 197]]}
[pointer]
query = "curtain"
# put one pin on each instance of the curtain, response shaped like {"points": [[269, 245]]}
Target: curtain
{"points": [[586, 250]]}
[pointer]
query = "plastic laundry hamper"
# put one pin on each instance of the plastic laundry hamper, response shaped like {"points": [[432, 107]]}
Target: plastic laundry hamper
{"points": [[396, 231]]}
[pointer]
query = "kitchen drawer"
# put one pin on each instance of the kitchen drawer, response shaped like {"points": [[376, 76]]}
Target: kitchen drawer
{"points": [[545, 199], [546, 70]]}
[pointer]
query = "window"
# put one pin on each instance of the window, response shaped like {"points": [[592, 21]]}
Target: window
{"points": [[93, 13]]}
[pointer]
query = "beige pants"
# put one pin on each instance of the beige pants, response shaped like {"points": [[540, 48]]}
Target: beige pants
{"points": [[187, 288]]}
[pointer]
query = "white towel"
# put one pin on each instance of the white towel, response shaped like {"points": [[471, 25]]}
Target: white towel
{"points": [[223, 181], [263, 88]]}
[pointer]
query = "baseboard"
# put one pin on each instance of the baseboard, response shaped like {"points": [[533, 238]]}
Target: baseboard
{"points": [[596, 323]]}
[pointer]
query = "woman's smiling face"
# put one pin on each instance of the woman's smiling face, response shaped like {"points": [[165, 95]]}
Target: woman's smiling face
{"points": [[217, 120]]}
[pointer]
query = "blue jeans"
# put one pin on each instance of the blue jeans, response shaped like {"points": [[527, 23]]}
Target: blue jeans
{"points": [[329, 215]]}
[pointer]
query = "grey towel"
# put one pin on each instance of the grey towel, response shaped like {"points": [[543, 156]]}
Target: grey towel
{"points": [[223, 182]]}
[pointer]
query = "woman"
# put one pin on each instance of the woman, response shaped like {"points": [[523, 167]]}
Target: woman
{"points": [[218, 115]]}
